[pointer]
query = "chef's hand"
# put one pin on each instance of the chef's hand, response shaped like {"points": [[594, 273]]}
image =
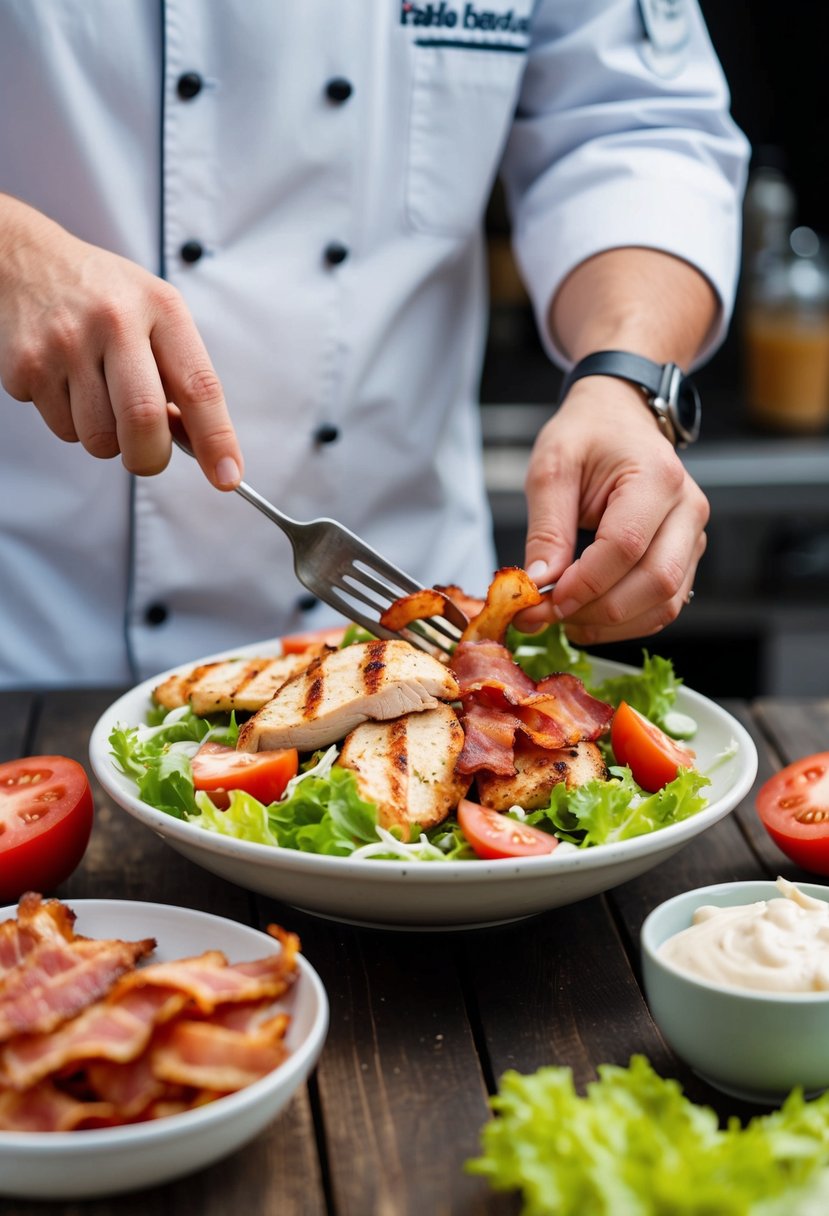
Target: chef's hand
{"points": [[602, 464], [100, 346]]}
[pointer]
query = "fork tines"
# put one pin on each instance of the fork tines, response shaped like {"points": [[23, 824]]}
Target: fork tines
{"points": [[363, 585]]}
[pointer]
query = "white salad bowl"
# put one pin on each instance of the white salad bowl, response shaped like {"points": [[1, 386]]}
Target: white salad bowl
{"points": [[109, 1160], [435, 894]]}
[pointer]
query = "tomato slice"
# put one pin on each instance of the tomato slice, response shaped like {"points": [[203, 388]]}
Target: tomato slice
{"points": [[653, 757], [793, 806], [46, 817], [217, 769], [297, 643], [493, 835]]}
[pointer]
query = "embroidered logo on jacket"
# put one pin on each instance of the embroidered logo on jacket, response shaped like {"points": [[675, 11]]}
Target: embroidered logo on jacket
{"points": [[475, 18]]}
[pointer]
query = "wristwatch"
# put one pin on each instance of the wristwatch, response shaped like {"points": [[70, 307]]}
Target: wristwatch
{"points": [[669, 393]]}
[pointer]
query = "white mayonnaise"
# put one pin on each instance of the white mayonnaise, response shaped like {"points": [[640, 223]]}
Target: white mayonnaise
{"points": [[775, 945]]}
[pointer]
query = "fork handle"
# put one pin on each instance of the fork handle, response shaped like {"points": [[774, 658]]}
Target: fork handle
{"points": [[291, 527]]}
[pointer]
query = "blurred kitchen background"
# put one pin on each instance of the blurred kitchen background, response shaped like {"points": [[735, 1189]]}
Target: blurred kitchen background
{"points": [[759, 622]]}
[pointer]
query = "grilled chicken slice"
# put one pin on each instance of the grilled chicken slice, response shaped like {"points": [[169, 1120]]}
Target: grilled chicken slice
{"points": [[374, 680], [407, 768], [241, 684], [537, 770]]}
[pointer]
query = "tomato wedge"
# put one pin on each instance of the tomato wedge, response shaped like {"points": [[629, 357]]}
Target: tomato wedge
{"points": [[217, 769], [493, 835], [46, 817], [297, 643], [793, 806], [652, 756]]}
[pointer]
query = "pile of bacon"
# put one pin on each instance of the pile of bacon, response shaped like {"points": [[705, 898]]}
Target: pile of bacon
{"points": [[90, 1039]]}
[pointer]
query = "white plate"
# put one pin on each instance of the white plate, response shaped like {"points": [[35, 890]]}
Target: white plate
{"points": [[433, 895], [105, 1161]]}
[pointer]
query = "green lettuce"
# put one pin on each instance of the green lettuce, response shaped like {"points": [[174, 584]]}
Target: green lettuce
{"points": [[634, 1145], [602, 812], [321, 815], [652, 691], [157, 756]]}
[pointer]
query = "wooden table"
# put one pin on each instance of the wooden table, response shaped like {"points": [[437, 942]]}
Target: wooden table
{"points": [[422, 1024]]}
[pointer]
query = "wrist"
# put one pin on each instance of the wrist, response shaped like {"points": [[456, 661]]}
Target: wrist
{"points": [[666, 391]]}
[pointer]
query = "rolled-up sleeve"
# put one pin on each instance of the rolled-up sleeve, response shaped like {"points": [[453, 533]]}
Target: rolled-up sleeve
{"points": [[612, 147]]}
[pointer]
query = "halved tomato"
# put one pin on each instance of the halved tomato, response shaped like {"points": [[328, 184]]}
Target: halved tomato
{"points": [[217, 769], [652, 756], [493, 835], [46, 817], [297, 643], [793, 806]]}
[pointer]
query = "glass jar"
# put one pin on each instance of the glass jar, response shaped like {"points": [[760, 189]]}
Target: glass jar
{"points": [[786, 336]]}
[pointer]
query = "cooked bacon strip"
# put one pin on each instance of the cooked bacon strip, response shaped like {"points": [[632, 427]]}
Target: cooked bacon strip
{"points": [[129, 1087], [499, 698], [209, 981], [45, 1108], [213, 1057], [59, 978], [489, 738], [575, 707], [115, 1029], [36, 921], [488, 664], [469, 605], [510, 592], [212, 1028], [429, 601]]}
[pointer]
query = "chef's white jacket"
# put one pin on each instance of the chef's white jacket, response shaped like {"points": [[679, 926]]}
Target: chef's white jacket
{"points": [[325, 165]]}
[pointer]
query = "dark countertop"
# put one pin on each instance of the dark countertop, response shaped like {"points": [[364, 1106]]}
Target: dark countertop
{"points": [[422, 1025]]}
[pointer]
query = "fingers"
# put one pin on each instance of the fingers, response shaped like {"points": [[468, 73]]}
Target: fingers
{"points": [[191, 383], [601, 465], [100, 346], [649, 597]]}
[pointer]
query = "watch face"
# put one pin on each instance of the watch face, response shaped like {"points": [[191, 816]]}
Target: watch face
{"points": [[688, 411]]}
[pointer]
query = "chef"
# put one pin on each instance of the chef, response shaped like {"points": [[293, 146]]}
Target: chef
{"points": [[271, 216]]}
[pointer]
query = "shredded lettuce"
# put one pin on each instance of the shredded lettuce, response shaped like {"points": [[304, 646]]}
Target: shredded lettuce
{"points": [[634, 1145]]}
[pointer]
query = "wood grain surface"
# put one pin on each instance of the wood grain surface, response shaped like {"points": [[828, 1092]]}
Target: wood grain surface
{"points": [[423, 1025]]}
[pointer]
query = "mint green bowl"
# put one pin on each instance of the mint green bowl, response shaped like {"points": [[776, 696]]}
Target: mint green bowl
{"points": [[756, 1046]]}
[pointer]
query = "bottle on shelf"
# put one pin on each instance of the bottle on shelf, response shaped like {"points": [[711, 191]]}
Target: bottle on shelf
{"points": [[786, 335], [784, 308]]}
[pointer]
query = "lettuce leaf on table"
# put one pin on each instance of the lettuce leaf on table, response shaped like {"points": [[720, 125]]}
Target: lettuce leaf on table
{"points": [[634, 1145]]}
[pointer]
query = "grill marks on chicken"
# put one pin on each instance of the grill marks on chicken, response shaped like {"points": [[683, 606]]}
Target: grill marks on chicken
{"points": [[407, 768], [369, 681], [537, 770], [241, 684]]}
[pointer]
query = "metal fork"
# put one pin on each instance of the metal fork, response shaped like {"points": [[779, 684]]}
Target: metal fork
{"points": [[344, 572]]}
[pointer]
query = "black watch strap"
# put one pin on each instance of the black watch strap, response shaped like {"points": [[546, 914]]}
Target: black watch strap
{"points": [[669, 393]]}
